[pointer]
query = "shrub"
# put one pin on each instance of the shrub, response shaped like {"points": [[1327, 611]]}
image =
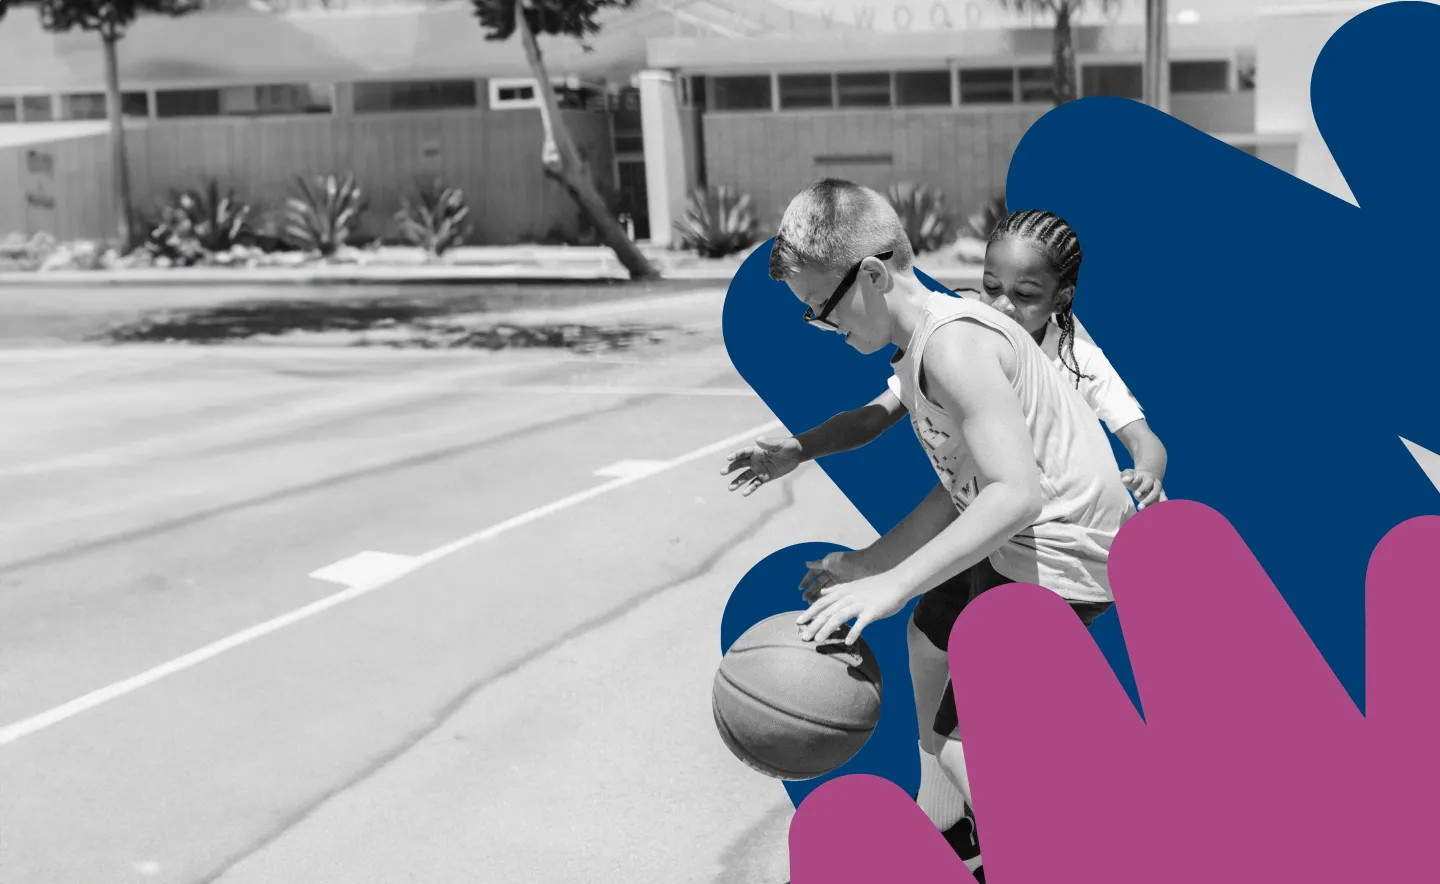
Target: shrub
{"points": [[987, 217], [197, 224], [436, 219], [922, 211], [325, 217], [718, 222]]}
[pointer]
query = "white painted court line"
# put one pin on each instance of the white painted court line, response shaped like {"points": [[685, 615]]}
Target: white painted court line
{"points": [[1428, 460], [362, 568], [625, 468], [21, 729]]}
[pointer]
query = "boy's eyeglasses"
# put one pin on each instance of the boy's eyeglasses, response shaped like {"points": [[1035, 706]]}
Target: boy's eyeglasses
{"points": [[823, 319]]}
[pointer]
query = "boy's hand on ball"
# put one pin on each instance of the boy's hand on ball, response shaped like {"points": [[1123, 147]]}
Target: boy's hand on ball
{"points": [[865, 601], [837, 567], [765, 461], [1144, 485]]}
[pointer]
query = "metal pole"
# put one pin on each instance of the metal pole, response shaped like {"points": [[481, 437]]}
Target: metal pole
{"points": [[1157, 56]]}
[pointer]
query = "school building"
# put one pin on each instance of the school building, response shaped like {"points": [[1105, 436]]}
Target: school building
{"points": [[761, 95]]}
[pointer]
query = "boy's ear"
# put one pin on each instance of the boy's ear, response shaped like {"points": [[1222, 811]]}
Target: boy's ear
{"points": [[1064, 298], [877, 272]]}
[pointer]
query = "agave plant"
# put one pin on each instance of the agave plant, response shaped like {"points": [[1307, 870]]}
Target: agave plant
{"points": [[323, 218], [196, 224], [922, 211], [989, 216], [718, 222], [436, 219]]}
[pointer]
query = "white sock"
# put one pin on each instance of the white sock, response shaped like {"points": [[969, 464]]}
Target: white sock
{"points": [[938, 797]]}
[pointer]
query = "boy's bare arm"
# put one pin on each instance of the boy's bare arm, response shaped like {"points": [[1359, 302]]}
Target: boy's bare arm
{"points": [[967, 370]]}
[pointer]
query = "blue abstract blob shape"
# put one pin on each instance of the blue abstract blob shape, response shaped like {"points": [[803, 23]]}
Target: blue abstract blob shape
{"points": [[772, 587], [1263, 322], [1278, 337]]}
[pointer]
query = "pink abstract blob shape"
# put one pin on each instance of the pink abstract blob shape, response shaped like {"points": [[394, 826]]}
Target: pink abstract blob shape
{"points": [[1252, 764], [864, 829]]}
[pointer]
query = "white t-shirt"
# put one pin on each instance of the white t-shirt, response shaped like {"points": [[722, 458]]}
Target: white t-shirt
{"points": [[1104, 391]]}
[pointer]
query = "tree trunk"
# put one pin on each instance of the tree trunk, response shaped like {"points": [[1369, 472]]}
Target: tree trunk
{"points": [[563, 162], [1065, 72], [119, 167]]}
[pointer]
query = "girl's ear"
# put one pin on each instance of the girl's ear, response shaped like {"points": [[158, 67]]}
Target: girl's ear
{"points": [[1064, 298]]}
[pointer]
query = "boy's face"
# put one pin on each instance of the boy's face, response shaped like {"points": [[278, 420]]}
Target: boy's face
{"points": [[1020, 283], [860, 314]]}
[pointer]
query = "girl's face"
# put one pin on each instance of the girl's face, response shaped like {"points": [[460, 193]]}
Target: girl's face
{"points": [[1020, 283]]}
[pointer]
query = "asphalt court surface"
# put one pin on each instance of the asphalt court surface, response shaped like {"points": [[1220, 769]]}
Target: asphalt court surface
{"points": [[531, 705]]}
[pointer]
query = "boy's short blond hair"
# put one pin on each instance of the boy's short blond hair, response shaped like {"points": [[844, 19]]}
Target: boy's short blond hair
{"points": [[832, 225]]}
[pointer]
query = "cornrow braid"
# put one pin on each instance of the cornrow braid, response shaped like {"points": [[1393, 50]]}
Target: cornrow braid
{"points": [[1055, 239]]}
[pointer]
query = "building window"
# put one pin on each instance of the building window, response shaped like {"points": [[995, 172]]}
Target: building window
{"points": [[806, 91], [1118, 80], [513, 94], [37, 108], [630, 143], [863, 89], [135, 104], [697, 91], [91, 105], [1037, 85], [187, 103], [242, 101], [1245, 72], [415, 95], [83, 106], [924, 88], [1199, 76], [742, 93], [987, 86], [9, 109]]}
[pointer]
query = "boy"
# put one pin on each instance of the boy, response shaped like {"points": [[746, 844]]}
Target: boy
{"points": [[1029, 490]]}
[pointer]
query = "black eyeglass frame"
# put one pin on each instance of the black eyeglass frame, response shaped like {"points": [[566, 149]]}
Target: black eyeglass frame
{"points": [[823, 319]]}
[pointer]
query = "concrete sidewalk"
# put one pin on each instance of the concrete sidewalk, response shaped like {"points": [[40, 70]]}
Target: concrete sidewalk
{"points": [[476, 264]]}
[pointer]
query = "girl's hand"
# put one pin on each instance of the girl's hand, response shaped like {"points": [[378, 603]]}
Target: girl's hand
{"points": [[1144, 485], [834, 569], [765, 461]]}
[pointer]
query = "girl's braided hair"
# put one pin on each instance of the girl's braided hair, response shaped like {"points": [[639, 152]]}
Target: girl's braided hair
{"points": [[1055, 239]]}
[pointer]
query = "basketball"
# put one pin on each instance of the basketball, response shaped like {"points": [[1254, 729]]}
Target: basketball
{"points": [[793, 709]]}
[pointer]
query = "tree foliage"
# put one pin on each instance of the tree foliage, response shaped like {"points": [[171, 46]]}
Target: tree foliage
{"points": [[560, 18], [109, 18]]}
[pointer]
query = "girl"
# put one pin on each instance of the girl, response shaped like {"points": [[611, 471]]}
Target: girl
{"points": [[1032, 264]]}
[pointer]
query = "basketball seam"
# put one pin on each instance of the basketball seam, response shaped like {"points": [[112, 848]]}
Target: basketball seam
{"points": [[874, 685], [752, 764], [840, 726]]}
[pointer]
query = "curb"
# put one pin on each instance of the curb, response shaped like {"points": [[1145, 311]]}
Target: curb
{"points": [[381, 276]]}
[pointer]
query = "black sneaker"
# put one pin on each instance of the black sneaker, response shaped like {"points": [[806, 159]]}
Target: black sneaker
{"points": [[963, 839]]}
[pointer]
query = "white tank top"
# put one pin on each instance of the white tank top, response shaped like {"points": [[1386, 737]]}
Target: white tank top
{"points": [[1068, 547]]}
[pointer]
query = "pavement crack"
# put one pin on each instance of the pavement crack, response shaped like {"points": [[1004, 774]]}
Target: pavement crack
{"points": [[450, 709]]}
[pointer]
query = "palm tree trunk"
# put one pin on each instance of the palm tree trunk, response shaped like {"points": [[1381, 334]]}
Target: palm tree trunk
{"points": [[1065, 70], [119, 168], [563, 162]]}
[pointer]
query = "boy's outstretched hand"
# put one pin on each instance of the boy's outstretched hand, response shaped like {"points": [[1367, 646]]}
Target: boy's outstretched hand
{"points": [[765, 461]]}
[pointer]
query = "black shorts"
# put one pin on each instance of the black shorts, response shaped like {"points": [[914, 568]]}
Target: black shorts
{"points": [[938, 609]]}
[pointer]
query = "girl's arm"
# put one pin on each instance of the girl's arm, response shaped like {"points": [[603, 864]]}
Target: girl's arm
{"points": [[1145, 448], [852, 429], [1145, 480]]}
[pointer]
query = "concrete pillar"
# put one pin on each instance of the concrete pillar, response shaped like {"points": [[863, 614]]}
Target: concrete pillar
{"points": [[665, 175]]}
